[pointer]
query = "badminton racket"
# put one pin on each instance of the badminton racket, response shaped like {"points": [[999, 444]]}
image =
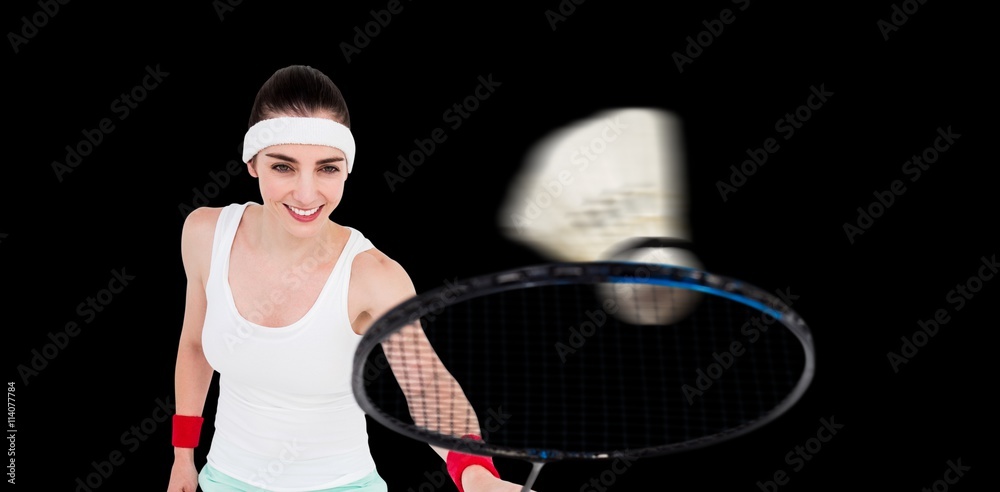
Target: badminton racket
{"points": [[534, 361]]}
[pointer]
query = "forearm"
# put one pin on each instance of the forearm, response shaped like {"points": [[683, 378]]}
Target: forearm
{"points": [[192, 377], [435, 399]]}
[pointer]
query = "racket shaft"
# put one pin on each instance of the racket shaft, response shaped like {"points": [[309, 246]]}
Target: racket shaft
{"points": [[535, 468]]}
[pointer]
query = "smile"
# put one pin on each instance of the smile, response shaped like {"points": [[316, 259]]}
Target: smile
{"points": [[303, 214]]}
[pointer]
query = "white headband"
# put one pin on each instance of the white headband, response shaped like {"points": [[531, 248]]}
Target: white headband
{"points": [[296, 130]]}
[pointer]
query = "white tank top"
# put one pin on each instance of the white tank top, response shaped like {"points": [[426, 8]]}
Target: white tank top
{"points": [[287, 419]]}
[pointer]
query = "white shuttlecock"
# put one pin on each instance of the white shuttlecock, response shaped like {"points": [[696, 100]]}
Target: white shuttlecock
{"points": [[593, 185]]}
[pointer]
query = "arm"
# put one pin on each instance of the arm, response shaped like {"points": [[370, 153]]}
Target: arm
{"points": [[192, 373], [435, 399]]}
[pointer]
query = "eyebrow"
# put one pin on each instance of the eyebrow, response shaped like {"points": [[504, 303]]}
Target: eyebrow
{"points": [[293, 161]]}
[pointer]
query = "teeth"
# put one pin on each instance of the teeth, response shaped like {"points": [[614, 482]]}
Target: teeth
{"points": [[299, 211]]}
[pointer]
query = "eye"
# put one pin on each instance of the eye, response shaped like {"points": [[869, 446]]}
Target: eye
{"points": [[329, 169], [281, 168]]}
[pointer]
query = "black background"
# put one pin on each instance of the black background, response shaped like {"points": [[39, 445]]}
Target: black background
{"points": [[120, 209]]}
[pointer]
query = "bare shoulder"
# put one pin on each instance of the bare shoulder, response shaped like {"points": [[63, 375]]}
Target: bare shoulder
{"points": [[375, 267], [381, 280], [197, 236]]}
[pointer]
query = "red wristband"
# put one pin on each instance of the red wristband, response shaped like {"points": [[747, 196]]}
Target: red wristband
{"points": [[458, 462], [187, 431]]}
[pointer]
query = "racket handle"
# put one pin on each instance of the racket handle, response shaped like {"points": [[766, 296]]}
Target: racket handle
{"points": [[535, 468]]}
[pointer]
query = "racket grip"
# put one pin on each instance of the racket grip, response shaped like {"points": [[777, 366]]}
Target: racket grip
{"points": [[457, 463]]}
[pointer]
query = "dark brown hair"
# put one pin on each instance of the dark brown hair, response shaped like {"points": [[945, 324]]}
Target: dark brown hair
{"points": [[299, 90]]}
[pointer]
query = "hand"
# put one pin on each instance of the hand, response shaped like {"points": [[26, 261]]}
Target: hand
{"points": [[183, 477], [479, 479]]}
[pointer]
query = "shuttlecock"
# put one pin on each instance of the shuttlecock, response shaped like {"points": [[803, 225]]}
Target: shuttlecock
{"points": [[593, 185]]}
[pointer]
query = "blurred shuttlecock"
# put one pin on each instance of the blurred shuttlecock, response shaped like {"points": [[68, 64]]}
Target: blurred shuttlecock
{"points": [[599, 183]]}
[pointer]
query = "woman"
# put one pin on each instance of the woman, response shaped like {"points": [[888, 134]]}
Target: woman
{"points": [[278, 296]]}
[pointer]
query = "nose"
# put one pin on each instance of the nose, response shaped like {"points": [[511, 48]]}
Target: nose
{"points": [[306, 190]]}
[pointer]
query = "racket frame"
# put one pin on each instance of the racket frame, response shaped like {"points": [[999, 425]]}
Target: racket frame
{"points": [[434, 300]]}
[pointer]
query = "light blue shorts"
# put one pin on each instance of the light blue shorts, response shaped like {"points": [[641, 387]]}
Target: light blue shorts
{"points": [[212, 480]]}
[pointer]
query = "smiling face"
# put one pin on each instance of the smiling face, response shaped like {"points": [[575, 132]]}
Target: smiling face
{"points": [[300, 185]]}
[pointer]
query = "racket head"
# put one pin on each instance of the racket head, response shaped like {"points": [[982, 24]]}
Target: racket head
{"points": [[619, 390]]}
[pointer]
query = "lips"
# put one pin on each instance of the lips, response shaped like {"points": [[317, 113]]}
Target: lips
{"points": [[303, 215]]}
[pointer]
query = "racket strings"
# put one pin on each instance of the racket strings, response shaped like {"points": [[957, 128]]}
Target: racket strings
{"points": [[434, 400], [561, 367]]}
